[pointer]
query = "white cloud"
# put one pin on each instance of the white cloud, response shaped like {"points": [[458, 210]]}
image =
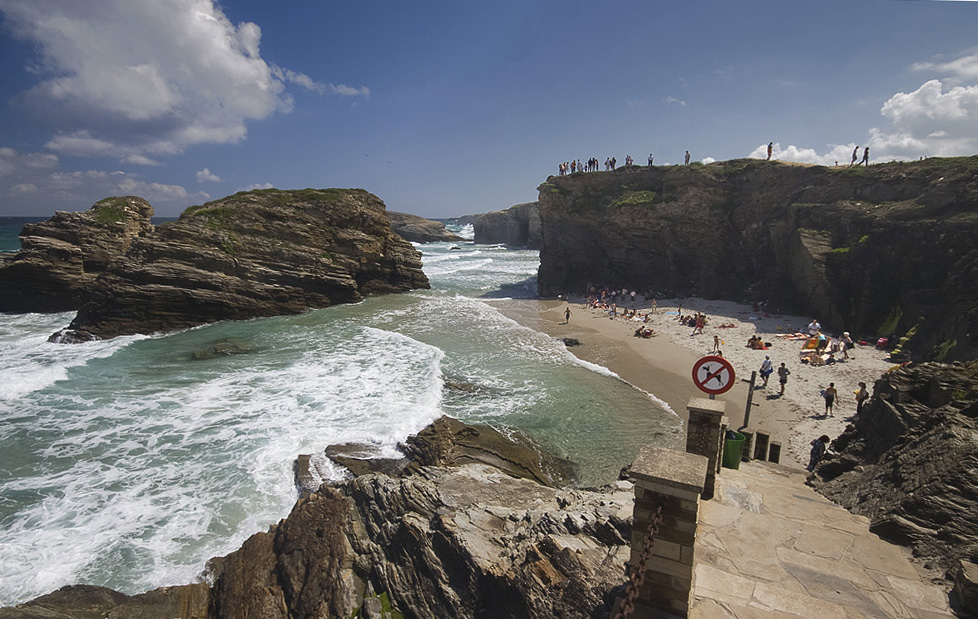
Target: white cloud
{"points": [[35, 184], [838, 154], [206, 175], [131, 78], [350, 91], [675, 100], [707, 160], [939, 118], [259, 186]]}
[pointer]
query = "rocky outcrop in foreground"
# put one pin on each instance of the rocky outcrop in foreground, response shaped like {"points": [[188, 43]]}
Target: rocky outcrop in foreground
{"points": [[909, 462], [878, 250], [459, 540], [253, 254], [420, 230], [60, 258]]}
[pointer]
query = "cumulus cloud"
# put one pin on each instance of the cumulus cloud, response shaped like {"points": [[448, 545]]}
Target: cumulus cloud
{"points": [[938, 118], [837, 154], [147, 78], [205, 176], [259, 186], [35, 184]]}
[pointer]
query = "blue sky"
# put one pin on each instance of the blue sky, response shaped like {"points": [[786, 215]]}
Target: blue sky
{"points": [[451, 108]]}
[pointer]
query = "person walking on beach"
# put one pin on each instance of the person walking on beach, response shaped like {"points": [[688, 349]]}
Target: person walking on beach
{"points": [[567, 315], [767, 368], [783, 373], [829, 395], [716, 344], [861, 396], [819, 447]]}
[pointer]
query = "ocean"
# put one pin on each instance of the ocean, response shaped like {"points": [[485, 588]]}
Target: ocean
{"points": [[128, 464]]}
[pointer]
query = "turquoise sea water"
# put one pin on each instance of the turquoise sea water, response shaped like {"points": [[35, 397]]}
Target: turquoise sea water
{"points": [[128, 464]]}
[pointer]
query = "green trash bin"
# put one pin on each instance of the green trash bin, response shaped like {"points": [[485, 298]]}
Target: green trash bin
{"points": [[733, 449]]}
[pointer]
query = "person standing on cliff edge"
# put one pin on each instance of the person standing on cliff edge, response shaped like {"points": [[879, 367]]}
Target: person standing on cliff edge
{"points": [[770, 149], [687, 157]]}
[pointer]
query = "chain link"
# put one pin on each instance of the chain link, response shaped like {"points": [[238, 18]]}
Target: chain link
{"points": [[638, 574]]}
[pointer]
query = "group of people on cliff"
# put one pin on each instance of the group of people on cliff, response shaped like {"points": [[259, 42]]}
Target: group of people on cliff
{"points": [[591, 165]]}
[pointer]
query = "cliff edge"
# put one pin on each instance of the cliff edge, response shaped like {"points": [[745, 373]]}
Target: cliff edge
{"points": [[879, 250]]}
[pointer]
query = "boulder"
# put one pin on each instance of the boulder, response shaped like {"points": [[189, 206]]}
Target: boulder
{"points": [[259, 253], [467, 541], [61, 258], [966, 587]]}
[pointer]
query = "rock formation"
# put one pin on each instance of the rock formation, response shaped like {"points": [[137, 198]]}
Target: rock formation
{"points": [[420, 230], [517, 226], [909, 462], [60, 258], [872, 250], [463, 539], [257, 253]]}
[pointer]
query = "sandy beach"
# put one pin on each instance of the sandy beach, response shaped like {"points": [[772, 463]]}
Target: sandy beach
{"points": [[662, 364]]}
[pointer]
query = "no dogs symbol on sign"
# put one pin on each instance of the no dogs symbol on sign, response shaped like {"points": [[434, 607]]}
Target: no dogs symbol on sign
{"points": [[713, 375]]}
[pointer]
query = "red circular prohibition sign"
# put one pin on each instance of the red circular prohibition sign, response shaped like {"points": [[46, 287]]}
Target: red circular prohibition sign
{"points": [[713, 375]]}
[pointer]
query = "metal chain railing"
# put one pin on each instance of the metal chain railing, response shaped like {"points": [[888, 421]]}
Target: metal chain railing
{"points": [[638, 574]]}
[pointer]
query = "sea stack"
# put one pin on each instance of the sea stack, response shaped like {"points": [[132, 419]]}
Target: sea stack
{"points": [[258, 253]]}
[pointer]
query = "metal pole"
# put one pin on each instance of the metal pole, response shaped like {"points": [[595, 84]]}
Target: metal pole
{"points": [[750, 398]]}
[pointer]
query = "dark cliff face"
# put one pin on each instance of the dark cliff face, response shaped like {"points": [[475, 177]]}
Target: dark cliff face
{"points": [[518, 226], [908, 462], [873, 250], [259, 253], [61, 258]]}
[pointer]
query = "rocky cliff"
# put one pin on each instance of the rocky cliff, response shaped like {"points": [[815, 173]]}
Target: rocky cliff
{"points": [[517, 226], [420, 230], [455, 537], [61, 258], [878, 250], [257, 253], [909, 462]]}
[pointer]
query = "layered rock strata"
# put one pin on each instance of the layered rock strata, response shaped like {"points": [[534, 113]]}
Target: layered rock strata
{"points": [[461, 539], [61, 258], [420, 230], [879, 250], [909, 462], [253, 254]]}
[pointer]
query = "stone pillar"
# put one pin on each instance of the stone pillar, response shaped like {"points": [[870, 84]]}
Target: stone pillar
{"points": [[703, 436], [761, 440], [673, 480]]}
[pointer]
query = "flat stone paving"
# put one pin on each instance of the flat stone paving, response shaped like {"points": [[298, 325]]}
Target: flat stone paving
{"points": [[769, 546]]}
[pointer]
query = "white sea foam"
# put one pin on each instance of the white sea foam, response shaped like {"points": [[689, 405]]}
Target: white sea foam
{"points": [[125, 463]]}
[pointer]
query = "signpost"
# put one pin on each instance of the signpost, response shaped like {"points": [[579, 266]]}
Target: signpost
{"points": [[713, 375]]}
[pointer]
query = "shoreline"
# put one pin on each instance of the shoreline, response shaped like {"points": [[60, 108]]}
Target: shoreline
{"points": [[662, 365]]}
